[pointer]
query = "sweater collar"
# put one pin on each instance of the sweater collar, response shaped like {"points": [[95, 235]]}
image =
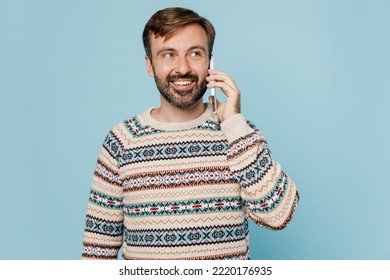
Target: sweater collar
{"points": [[146, 119]]}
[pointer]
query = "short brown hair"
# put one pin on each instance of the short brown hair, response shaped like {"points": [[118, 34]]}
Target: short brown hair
{"points": [[168, 21]]}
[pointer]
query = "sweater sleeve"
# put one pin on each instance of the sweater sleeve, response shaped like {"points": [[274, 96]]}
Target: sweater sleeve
{"points": [[104, 220], [269, 195]]}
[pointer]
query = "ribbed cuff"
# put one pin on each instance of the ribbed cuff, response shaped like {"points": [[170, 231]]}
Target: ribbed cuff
{"points": [[235, 127]]}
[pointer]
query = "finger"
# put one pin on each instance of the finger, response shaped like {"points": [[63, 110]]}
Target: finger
{"points": [[222, 78], [219, 83], [225, 88], [217, 72], [220, 74]]}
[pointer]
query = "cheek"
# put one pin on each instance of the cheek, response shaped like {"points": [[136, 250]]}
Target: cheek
{"points": [[160, 69], [202, 71], [204, 75], [163, 71], [206, 69]]}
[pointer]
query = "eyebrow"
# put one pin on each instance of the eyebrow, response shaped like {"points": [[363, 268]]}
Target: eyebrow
{"points": [[172, 49], [198, 47], [165, 50]]}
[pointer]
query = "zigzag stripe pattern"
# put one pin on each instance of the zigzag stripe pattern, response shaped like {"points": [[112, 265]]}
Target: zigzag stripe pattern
{"points": [[110, 215], [177, 237], [186, 221], [106, 188], [185, 193], [208, 253], [231, 256], [270, 201], [172, 137], [122, 133], [184, 190]]}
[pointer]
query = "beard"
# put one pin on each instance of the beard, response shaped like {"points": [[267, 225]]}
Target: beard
{"points": [[182, 99]]}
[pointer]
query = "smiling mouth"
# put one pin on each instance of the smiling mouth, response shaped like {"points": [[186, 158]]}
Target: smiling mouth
{"points": [[183, 85]]}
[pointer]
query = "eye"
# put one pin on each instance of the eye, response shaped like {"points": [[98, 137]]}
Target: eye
{"points": [[195, 54], [167, 55]]}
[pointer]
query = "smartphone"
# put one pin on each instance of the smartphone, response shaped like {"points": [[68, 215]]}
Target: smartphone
{"points": [[212, 90]]}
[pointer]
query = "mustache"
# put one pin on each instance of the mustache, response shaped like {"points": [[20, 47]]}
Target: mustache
{"points": [[172, 78]]}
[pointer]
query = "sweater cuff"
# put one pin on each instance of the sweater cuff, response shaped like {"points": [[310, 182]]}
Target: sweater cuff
{"points": [[235, 127]]}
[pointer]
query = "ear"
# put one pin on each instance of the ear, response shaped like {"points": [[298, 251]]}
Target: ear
{"points": [[149, 66]]}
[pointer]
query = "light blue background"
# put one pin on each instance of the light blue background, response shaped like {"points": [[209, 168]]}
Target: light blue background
{"points": [[314, 77]]}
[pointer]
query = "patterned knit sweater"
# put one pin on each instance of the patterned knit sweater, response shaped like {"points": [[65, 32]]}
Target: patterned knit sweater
{"points": [[184, 190]]}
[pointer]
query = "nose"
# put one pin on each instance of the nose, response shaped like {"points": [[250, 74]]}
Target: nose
{"points": [[183, 66]]}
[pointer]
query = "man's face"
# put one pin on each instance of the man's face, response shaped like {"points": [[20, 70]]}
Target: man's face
{"points": [[179, 65]]}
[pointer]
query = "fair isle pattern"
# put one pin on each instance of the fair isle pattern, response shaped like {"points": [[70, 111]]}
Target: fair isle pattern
{"points": [[113, 146], [272, 199], [106, 174], [210, 125], [173, 237], [104, 200], [137, 130], [175, 150], [99, 251], [185, 207], [258, 168], [104, 227], [243, 144], [285, 214], [188, 221], [184, 192], [179, 178]]}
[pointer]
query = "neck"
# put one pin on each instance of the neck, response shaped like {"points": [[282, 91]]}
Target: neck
{"points": [[169, 113]]}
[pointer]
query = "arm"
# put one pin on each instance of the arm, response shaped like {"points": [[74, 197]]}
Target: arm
{"points": [[269, 195], [104, 222]]}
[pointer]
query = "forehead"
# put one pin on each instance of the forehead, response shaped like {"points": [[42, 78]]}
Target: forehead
{"points": [[183, 39]]}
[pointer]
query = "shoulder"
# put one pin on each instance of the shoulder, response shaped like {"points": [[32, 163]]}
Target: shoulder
{"points": [[252, 125], [131, 128]]}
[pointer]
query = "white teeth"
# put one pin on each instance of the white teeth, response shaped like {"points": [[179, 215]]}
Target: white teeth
{"points": [[183, 83]]}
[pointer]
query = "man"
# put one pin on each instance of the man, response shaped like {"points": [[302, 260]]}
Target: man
{"points": [[179, 181]]}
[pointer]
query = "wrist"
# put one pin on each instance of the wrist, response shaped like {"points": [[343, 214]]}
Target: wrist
{"points": [[235, 127]]}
